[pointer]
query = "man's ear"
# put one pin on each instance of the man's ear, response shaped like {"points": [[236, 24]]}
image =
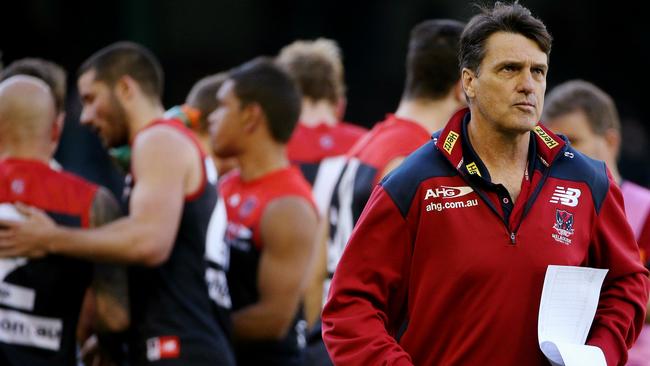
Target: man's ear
{"points": [[468, 79], [253, 117], [125, 87], [57, 128]]}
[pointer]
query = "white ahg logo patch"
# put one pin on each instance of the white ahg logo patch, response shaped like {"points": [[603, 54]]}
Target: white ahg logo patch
{"points": [[567, 197], [447, 192]]}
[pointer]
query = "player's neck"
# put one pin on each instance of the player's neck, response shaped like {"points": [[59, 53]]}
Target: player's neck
{"points": [[264, 158], [430, 114], [29, 152], [143, 114], [314, 113]]}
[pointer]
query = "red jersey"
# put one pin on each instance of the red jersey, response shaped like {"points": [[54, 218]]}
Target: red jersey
{"points": [[246, 203], [394, 137], [40, 299], [442, 257], [36, 184], [318, 152], [313, 144]]}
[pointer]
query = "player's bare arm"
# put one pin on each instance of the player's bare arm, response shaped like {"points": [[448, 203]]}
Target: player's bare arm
{"points": [[288, 251], [166, 167]]}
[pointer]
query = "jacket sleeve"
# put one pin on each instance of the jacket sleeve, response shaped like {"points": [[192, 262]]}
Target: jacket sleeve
{"points": [[621, 309], [367, 298]]}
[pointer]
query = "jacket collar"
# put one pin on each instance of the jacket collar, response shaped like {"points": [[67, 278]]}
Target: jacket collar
{"points": [[450, 143]]}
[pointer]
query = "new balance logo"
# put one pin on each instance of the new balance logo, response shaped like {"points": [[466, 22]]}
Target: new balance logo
{"points": [[567, 197]]}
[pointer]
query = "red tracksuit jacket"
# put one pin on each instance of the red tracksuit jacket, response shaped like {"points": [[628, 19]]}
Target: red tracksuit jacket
{"points": [[443, 259]]}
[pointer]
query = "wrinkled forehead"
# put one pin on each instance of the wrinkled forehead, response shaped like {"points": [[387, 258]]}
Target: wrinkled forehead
{"points": [[515, 47]]}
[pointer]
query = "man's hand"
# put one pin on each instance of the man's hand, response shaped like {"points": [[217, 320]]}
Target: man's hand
{"points": [[26, 238]]}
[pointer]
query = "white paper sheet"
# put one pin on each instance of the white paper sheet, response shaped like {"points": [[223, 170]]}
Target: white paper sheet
{"points": [[567, 308]]}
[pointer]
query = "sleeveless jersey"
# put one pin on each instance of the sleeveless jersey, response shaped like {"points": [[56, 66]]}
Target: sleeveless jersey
{"points": [[173, 319], [40, 299], [245, 205], [364, 165]]}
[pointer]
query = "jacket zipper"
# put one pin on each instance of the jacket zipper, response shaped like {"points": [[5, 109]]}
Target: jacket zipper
{"points": [[533, 196], [529, 203]]}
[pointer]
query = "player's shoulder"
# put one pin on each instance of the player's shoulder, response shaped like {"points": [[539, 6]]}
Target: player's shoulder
{"points": [[163, 131], [73, 180], [165, 143], [351, 129], [395, 136], [284, 182]]}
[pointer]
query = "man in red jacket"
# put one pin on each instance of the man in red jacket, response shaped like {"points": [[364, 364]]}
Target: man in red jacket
{"points": [[451, 251], [587, 116]]}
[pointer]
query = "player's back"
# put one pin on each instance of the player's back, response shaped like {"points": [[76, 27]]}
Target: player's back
{"points": [[172, 315], [308, 145], [40, 299]]}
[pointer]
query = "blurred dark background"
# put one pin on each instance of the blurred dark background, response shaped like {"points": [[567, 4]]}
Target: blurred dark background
{"points": [[600, 41]]}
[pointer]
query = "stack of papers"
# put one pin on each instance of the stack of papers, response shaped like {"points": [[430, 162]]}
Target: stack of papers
{"points": [[569, 302]]}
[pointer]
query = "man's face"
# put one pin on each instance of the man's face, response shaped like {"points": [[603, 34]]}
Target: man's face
{"points": [[508, 91], [575, 126], [102, 111], [225, 122]]}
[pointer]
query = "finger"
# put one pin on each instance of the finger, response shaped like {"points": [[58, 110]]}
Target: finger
{"points": [[5, 225], [6, 233], [24, 209]]}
